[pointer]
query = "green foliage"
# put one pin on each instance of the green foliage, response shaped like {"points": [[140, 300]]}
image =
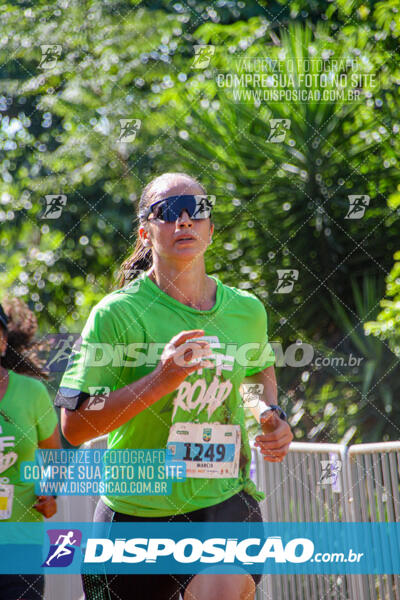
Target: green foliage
{"points": [[376, 382], [387, 326], [284, 206]]}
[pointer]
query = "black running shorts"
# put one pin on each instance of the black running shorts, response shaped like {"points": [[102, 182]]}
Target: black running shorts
{"points": [[239, 508], [26, 587]]}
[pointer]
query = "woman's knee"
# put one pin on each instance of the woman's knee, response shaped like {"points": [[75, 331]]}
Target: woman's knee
{"points": [[221, 587]]}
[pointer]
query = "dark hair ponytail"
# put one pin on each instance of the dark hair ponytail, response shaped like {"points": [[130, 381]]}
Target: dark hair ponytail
{"points": [[22, 354], [141, 258]]}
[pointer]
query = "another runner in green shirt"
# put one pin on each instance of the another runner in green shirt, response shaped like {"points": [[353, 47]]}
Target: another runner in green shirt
{"points": [[28, 421], [139, 346]]}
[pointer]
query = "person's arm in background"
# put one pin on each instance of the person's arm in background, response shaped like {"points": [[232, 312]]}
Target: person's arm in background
{"points": [[47, 505], [275, 445]]}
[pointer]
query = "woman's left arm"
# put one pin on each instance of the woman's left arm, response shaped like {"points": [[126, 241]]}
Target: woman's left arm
{"points": [[47, 505], [275, 445]]}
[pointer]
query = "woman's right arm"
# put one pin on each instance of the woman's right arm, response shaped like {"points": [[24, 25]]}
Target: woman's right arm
{"points": [[80, 425]]}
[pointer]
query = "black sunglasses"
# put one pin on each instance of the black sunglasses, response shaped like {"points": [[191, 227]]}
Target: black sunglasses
{"points": [[170, 209]]}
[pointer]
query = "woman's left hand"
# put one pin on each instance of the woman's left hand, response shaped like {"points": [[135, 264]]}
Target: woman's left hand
{"points": [[46, 505], [275, 445]]}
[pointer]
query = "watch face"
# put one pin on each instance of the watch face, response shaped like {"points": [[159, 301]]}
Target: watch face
{"points": [[279, 410]]}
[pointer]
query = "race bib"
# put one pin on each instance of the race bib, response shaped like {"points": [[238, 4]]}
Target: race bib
{"points": [[208, 449], [6, 500]]}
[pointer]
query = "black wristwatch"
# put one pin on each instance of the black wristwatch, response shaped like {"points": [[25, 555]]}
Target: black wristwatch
{"points": [[279, 410]]}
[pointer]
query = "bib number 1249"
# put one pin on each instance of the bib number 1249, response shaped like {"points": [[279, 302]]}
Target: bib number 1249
{"points": [[204, 452]]}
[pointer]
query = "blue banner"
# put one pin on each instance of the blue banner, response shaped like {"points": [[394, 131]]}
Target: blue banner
{"points": [[165, 547]]}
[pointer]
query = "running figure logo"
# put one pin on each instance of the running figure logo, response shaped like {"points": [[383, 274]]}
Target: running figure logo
{"points": [[62, 547], [50, 55], [252, 394], [98, 396], [287, 279], [278, 130], [357, 206], [330, 470], [202, 55], [204, 206], [63, 345], [54, 206], [128, 130], [132, 279]]}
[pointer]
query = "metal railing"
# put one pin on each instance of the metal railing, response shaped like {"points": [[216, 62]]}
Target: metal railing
{"points": [[365, 489], [373, 495]]}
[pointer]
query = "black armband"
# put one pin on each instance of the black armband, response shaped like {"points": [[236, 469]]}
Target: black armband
{"points": [[69, 398]]}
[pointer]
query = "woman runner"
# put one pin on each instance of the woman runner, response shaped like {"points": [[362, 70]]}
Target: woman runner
{"points": [[148, 400], [28, 421]]}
